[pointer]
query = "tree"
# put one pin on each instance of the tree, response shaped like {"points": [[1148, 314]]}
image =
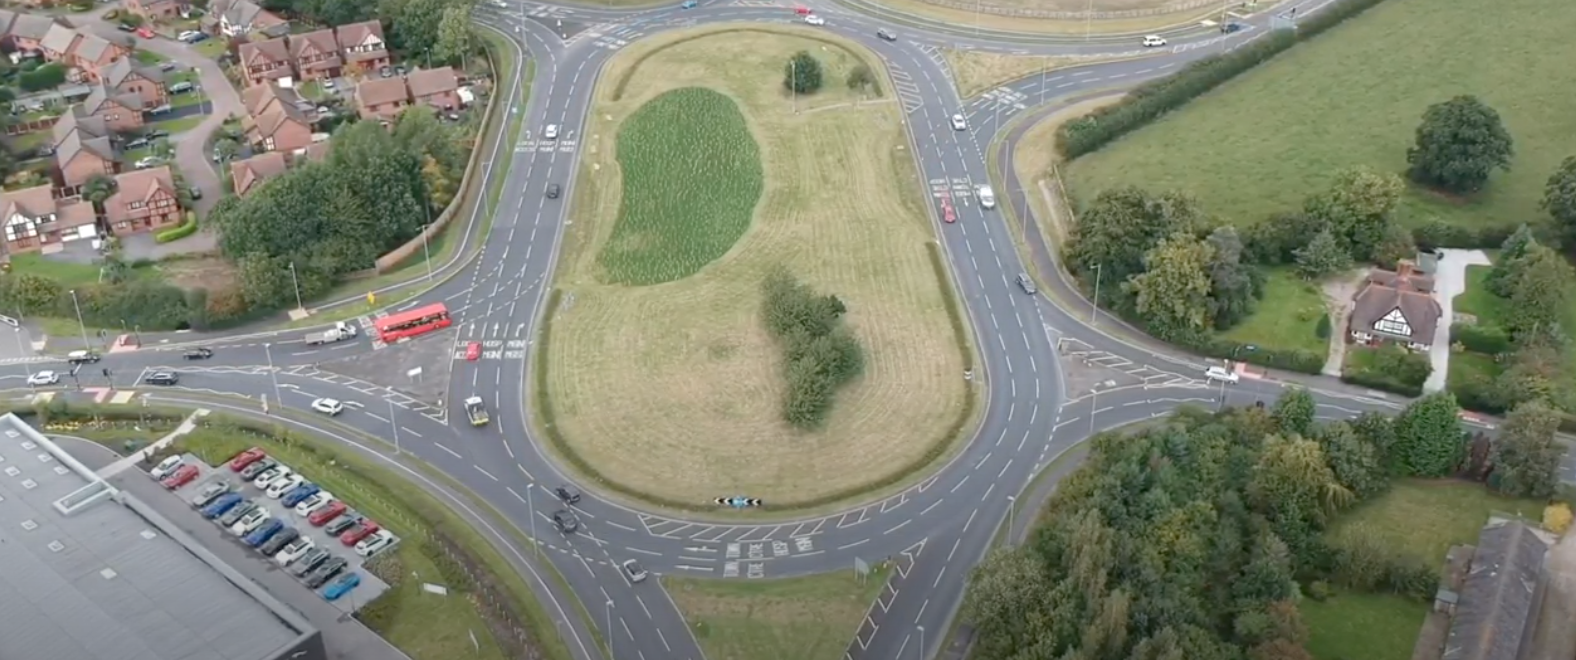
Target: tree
{"points": [[1173, 291], [454, 33], [1539, 284], [97, 189], [802, 74], [1526, 458], [1357, 464], [1514, 248], [1535, 372], [1458, 144], [1397, 244], [44, 77], [1235, 287], [416, 24], [1006, 597], [1324, 256], [1428, 437], [1122, 225], [861, 79], [1294, 412], [1357, 208], [1559, 197]]}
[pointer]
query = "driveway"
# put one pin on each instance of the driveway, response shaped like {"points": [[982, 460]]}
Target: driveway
{"points": [[1450, 280]]}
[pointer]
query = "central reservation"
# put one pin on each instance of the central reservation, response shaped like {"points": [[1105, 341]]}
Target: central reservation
{"points": [[700, 176]]}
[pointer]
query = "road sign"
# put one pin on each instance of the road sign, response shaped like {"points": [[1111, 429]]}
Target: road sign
{"points": [[372, 298], [861, 569]]}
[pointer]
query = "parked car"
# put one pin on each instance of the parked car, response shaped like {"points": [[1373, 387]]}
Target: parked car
{"points": [[346, 521], [237, 512], [182, 476], [182, 87], [326, 572], [246, 458], [362, 530], [293, 550], [311, 503], [268, 478], [263, 532], [167, 467], [341, 586], [279, 540], [309, 561], [299, 494], [262, 465], [376, 543], [43, 378], [147, 161], [249, 522], [222, 505], [326, 514], [210, 492], [161, 110], [279, 487]]}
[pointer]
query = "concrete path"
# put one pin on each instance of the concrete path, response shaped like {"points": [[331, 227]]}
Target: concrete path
{"points": [[187, 426], [1450, 280]]}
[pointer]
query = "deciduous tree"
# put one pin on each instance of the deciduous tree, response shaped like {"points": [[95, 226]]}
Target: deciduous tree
{"points": [[1173, 291], [861, 79], [1526, 458], [1323, 256], [454, 33], [1428, 437], [1235, 286], [1294, 412], [1514, 247], [802, 73], [1539, 283], [1357, 463], [1357, 209], [1115, 232], [1458, 144], [1559, 197]]}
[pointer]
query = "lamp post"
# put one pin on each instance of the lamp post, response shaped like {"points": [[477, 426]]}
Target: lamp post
{"points": [[297, 284], [610, 654], [80, 325], [393, 424], [22, 351], [1088, 20], [1012, 506], [530, 509], [1094, 303], [921, 642], [273, 376]]}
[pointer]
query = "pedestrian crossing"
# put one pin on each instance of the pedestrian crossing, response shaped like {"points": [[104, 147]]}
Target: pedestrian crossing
{"points": [[27, 360], [611, 36], [905, 87]]}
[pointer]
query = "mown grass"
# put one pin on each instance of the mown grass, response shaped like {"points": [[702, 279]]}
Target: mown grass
{"points": [[1479, 301], [1423, 518], [1287, 318], [692, 176], [1354, 96], [804, 618], [1349, 626]]}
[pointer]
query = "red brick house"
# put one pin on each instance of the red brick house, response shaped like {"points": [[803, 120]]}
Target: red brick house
{"points": [[246, 175], [80, 156], [26, 32], [154, 10], [94, 55], [436, 88], [363, 45], [121, 112], [35, 220], [59, 43], [277, 119], [144, 200], [315, 55], [382, 98], [124, 77], [265, 61]]}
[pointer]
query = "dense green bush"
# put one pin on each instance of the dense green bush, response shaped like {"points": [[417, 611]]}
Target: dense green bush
{"points": [[176, 233], [148, 304], [1485, 339], [1393, 369], [1213, 346], [1322, 330], [1438, 234], [44, 77], [819, 353]]}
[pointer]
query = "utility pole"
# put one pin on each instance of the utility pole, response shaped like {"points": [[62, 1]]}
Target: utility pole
{"points": [[1094, 304], [297, 284]]}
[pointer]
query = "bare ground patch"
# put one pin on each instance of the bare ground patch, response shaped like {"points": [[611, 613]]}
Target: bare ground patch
{"points": [[211, 273]]}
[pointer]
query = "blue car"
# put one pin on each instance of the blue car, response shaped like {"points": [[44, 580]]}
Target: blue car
{"points": [[222, 505], [261, 535], [341, 586], [300, 493], [689, 4]]}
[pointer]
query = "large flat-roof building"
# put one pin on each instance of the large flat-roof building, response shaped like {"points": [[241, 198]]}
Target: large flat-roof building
{"points": [[89, 572]]}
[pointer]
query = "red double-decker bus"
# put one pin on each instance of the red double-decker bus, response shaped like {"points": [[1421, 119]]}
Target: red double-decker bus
{"points": [[395, 327]]}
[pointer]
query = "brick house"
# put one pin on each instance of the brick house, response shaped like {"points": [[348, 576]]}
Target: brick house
{"points": [[363, 45], [94, 55], [73, 121], [144, 200], [436, 88], [79, 157], [315, 55], [265, 61], [154, 10], [235, 18], [1396, 307], [27, 31], [34, 219], [124, 77], [246, 175], [59, 43], [382, 98], [121, 112], [277, 119]]}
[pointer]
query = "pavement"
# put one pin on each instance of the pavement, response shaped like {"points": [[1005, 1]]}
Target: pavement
{"points": [[1055, 374], [1450, 280]]}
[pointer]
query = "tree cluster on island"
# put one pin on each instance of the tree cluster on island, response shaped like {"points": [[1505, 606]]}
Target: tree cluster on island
{"points": [[820, 354]]}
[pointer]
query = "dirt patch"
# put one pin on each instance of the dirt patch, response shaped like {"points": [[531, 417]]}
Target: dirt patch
{"points": [[674, 389], [211, 273], [1338, 293]]}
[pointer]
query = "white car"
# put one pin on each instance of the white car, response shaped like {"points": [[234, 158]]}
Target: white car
{"points": [[43, 378], [316, 501], [328, 407], [279, 487], [372, 544], [293, 550], [551, 132], [1221, 374], [959, 123], [250, 521], [1154, 40], [166, 467], [812, 19], [147, 162], [186, 34], [271, 476], [633, 571]]}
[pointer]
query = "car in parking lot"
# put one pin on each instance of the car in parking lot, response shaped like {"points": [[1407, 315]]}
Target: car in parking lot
{"points": [[43, 378], [567, 494], [325, 572], [309, 561], [341, 586], [237, 512], [246, 458], [294, 550], [313, 502], [344, 522], [221, 505], [298, 494], [279, 540], [565, 522], [361, 530], [165, 378], [377, 542], [278, 488], [633, 571], [167, 467], [326, 513], [210, 492], [271, 476], [250, 522], [328, 406], [265, 531], [180, 477], [258, 467]]}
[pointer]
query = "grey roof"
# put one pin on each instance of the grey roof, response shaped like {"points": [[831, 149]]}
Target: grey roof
{"points": [[7, 17], [59, 39], [74, 121], [103, 94], [85, 576], [1491, 618], [124, 67], [31, 26]]}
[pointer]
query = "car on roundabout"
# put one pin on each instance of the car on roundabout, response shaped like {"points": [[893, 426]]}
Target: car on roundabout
{"points": [[327, 406], [1221, 374], [959, 123], [198, 354], [567, 494], [473, 351], [689, 4], [633, 571], [1154, 41], [947, 212], [565, 522], [812, 19], [886, 35], [43, 378]]}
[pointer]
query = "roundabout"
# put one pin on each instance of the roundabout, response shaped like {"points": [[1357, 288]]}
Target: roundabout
{"points": [[1048, 377]]}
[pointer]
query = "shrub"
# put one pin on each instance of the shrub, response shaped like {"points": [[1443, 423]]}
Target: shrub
{"points": [[1306, 362], [1322, 330], [819, 353], [1393, 369], [1436, 234], [44, 77], [1485, 339], [181, 231]]}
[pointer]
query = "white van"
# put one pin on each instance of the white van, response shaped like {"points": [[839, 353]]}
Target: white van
{"points": [[987, 197]]}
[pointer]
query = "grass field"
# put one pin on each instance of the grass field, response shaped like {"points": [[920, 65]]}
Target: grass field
{"points": [[674, 390], [1479, 301], [1287, 318], [692, 177], [807, 618], [1348, 626], [1073, 23], [1423, 518], [976, 71], [1354, 96]]}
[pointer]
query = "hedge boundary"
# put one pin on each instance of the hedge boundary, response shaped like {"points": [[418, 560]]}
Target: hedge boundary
{"points": [[176, 233]]}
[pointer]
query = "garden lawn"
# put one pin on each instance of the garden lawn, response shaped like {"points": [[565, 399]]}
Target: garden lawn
{"points": [[1423, 518], [177, 126], [1287, 318], [67, 273], [212, 48], [1348, 626], [1477, 300], [1354, 96], [692, 176], [148, 57], [806, 618], [1466, 364]]}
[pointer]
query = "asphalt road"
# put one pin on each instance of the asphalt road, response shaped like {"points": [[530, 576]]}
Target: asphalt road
{"points": [[934, 531]]}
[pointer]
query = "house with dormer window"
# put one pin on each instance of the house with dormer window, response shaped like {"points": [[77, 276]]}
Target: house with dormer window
{"points": [[265, 61], [34, 220], [235, 18], [1396, 307], [363, 45]]}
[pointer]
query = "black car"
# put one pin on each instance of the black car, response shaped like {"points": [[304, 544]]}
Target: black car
{"points": [[198, 353], [279, 540], [565, 522], [162, 378], [235, 513], [326, 572], [345, 521], [552, 191], [309, 561], [250, 472], [567, 494]]}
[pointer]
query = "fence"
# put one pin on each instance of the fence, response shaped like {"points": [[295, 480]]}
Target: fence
{"points": [[25, 127], [1013, 12]]}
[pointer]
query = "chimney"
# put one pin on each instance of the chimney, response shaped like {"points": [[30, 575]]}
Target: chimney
{"points": [[1403, 269]]}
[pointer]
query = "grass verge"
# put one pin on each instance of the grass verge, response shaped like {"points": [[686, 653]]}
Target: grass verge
{"points": [[1070, 24], [1287, 317], [804, 618], [975, 71], [1423, 518], [1359, 625]]}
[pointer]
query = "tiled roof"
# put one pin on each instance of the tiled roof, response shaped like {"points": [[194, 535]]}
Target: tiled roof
{"points": [[1491, 616], [59, 38], [32, 26], [137, 185], [122, 69], [380, 90], [427, 82], [32, 202], [246, 174], [269, 50], [75, 121]]}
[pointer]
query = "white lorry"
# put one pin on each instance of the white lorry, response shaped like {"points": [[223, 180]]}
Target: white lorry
{"points": [[476, 411], [340, 332]]}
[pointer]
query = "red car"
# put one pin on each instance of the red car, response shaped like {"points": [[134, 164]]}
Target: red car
{"points": [[145, 33], [329, 512], [801, 10], [246, 458], [181, 477], [946, 211], [362, 530], [473, 350]]}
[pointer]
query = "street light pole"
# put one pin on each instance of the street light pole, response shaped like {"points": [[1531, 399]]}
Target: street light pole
{"points": [[1094, 304], [1094, 400], [977, 18], [921, 642], [610, 653], [22, 351], [80, 325], [530, 509], [426, 250], [1088, 20], [393, 424], [273, 376], [1012, 506], [297, 284]]}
